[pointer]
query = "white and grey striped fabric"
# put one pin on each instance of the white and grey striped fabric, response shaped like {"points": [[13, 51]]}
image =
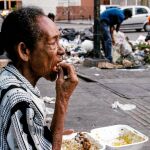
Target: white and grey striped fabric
{"points": [[22, 114]]}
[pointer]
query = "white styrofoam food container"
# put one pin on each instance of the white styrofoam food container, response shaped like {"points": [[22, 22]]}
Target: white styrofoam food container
{"points": [[72, 136], [107, 136]]}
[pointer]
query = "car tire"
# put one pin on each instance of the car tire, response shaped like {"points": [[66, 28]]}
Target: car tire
{"points": [[146, 27]]}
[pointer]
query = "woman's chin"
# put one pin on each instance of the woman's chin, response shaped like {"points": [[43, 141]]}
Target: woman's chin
{"points": [[51, 76]]}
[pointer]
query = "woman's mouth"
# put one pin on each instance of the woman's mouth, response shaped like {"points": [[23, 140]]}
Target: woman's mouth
{"points": [[56, 68]]}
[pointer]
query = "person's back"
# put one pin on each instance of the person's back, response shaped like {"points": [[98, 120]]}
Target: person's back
{"points": [[112, 16], [111, 20]]}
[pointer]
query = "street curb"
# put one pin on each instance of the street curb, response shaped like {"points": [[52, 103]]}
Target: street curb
{"points": [[88, 79], [74, 23], [85, 78]]}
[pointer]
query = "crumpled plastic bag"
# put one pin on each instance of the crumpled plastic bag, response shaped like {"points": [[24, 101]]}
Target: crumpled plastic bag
{"points": [[140, 39], [124, 107], [123, 46], [87, 45], [116, 52]]}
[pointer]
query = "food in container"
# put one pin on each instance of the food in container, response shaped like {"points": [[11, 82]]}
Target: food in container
{"points": [[120, 137], [80, 141], [127, 137]]}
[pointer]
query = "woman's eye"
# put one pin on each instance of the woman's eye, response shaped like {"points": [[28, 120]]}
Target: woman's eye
{"points": [[52, 46]]}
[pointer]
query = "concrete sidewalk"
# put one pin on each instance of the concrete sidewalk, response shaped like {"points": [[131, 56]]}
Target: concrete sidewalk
{"points": [[128, 86]]}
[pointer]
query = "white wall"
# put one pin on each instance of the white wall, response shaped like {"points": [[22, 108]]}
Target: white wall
{"points": [[69, 2], [46, 5]]}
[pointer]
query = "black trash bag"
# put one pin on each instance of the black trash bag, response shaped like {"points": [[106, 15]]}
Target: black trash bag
{"points": [[87, 34], [147, 37], [69, 33]]}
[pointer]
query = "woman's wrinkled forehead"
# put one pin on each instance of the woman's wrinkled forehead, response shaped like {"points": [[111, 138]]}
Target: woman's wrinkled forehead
{"points": [[48, 27]]}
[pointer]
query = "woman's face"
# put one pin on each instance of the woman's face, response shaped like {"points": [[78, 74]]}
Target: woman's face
{"points": [[47, 53]]}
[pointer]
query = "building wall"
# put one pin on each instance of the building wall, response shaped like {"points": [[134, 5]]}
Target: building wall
{"points": [[145, 2], [87, 8], [125, 2], [46, 5], [76, 9], [80, 10], [68, 9], [65, 3]]}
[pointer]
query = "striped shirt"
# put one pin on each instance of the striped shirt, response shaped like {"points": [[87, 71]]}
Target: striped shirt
{"points": [[22, 114]]}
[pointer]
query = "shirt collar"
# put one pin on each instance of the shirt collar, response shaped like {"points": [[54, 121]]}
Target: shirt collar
{"points": [[25, 83]]}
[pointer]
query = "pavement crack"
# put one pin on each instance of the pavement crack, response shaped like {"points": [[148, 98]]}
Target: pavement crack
{"points": [[88, 79], [85, 78]]}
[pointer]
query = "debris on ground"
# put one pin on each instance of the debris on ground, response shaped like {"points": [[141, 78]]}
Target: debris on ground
{"points": [[126, 54], [124, 107]]}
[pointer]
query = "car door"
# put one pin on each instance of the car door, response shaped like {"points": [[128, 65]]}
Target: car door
{"points": [[139, 16]]}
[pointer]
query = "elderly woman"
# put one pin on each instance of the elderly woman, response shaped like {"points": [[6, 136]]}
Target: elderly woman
{"points": [[31, 41]]}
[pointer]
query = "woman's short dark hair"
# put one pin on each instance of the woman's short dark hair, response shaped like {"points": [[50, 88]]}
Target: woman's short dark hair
{"points": [[20, 26]]}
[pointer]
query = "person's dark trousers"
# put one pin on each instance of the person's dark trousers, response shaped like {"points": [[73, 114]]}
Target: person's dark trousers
{"points": [[106, 40]]}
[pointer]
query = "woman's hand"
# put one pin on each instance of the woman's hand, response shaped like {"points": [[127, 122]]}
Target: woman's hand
{"points": [[66, 82]]}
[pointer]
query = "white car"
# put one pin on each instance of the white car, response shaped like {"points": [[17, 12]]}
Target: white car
{"points": [[104, 7], [138, 21]]}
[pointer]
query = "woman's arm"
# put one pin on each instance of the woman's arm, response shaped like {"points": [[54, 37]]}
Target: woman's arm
{"points": [[64, 89]]}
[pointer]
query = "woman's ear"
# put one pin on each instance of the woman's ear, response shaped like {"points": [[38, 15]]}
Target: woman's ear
{"points": [[23, 51]]}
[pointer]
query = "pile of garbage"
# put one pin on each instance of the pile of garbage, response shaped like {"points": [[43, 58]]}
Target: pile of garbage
{"points": [[126, 53], [131, 54], [77, 44]]}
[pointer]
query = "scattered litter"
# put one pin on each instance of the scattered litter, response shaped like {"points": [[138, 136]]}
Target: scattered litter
{"points": [[96, 74], [49, 111], [106, 65], [140, 39], [127, 63], [124, 107], [50, 100], [97, 68]]}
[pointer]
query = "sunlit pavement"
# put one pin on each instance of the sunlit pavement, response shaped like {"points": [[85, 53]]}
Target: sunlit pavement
{"points": [[91, 103]]}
